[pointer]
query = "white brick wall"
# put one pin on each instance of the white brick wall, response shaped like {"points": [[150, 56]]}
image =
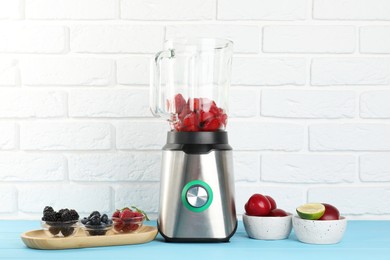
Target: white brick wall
{"points": [[307, 103], [375, 104], [268, 71], [8, 72], [309, 39], [309, 106], [375, 39], [168, 9], [351, 9], [116, 38], [72, 9]]}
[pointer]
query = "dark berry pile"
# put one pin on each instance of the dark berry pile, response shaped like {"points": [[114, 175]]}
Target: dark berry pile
{"points": [[96, 224], [60, 221]]}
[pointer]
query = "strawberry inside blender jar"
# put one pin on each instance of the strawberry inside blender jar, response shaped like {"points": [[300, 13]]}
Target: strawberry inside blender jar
{"points": [[196, 114]]}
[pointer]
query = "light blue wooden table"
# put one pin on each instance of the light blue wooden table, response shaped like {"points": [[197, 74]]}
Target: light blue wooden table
{"points": [[363, 240]]}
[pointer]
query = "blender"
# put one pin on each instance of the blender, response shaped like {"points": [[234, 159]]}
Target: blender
{"points": [[190, 82]]}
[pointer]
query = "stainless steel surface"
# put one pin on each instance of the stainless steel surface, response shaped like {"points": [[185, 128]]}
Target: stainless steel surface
{"points": [[175, 220], [197, 196]]}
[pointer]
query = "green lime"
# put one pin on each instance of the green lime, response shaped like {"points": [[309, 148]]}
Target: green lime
{"points": [[312, 211]]}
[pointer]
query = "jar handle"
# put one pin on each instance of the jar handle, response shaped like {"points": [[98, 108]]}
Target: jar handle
{"points": [[157, 101]]}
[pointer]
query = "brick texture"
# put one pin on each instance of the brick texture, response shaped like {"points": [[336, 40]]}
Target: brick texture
{"points": [[308, 109], [351, 9]]}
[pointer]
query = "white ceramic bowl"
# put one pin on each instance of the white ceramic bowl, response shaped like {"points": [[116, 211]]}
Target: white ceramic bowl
{"points": [[267, 228], [319, 231]]}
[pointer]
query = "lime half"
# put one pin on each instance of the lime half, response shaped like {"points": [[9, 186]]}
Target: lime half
{"points": [[312, 211]]}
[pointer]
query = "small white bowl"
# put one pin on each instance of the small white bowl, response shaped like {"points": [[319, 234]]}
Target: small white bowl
{"points": [[319, 232], [267, 228]]}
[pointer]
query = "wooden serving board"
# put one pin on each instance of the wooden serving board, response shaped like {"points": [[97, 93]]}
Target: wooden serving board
{"points": [[39, 240]]}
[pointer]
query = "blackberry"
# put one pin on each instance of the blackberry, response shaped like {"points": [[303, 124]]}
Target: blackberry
{"points": [[54, 230], [58, 216], [67, 231], [73, 214], [50, 216], [48, 209], [63, 210], [66, 216]]}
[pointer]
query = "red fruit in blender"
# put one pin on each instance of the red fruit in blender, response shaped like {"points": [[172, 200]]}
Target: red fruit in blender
{"points": [[197, 114], [204, 116], [180, 102], [211, 125], [194, 104], [214, 109], [223, 119], [190, 122], [205, 104]]}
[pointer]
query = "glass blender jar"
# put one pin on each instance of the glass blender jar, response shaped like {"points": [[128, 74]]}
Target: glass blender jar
{"points": [[190, 84]]}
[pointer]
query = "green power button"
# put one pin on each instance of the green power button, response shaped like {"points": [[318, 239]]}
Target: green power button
{"points": [[197, 196]]}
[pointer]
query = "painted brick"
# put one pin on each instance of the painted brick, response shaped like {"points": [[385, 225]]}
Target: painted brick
{"points": [[72, 9], [145, 195], [109, 103], [354, 200], [26, 103], [375, 104], [309, 39], [67, 71], [349, 137], [31, 38], [307, 103], [308, 168], [114, 167], [8, 72], [83, 198], [32, 167], [351, 9], [350, 71], [375, 39], [8, 197], [168, 9], [10, 9], [134, 70], [262, 9], [8, 132], [266, 136], [375, 167], [246, 38], [116, 38], [141, 135], [246, 166], [65, 136], [244, 103], [268, 71], [287, 198]]}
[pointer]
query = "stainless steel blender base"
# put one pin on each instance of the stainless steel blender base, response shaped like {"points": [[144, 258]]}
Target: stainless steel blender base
{"points": [[197, 196]]}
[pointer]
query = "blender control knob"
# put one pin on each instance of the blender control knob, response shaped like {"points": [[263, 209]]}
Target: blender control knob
{"points": [[197, 196]]}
